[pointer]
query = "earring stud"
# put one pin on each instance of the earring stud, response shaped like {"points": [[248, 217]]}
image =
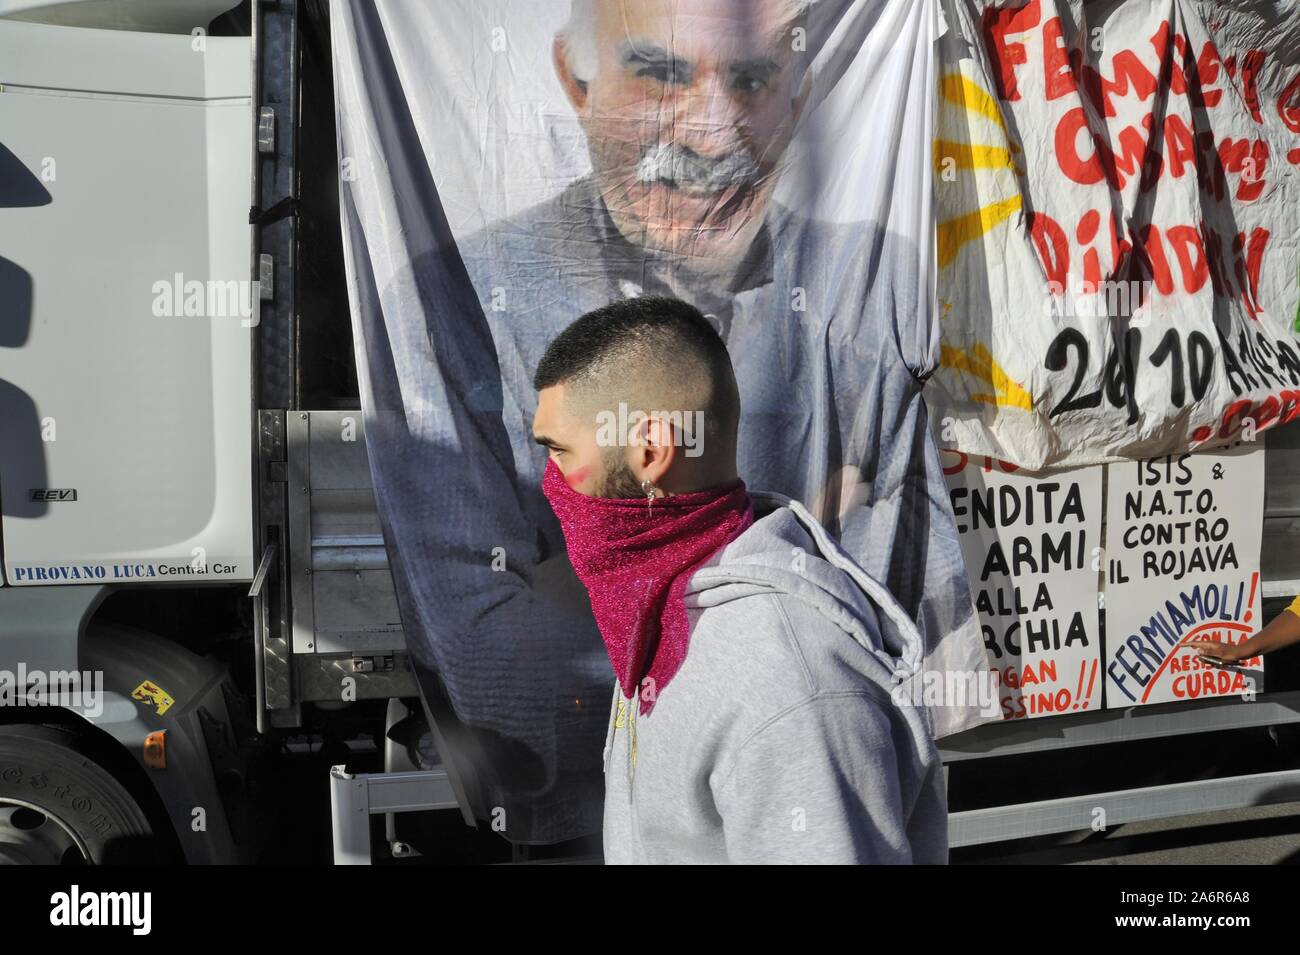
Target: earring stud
{"points": [[648, 486]]}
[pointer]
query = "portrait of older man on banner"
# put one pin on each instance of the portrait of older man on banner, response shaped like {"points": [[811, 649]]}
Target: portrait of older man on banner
{"points": [[686, 133], [766, 161]]}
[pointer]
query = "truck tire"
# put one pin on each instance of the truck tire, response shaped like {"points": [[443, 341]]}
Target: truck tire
{"points": [[58, 806]]}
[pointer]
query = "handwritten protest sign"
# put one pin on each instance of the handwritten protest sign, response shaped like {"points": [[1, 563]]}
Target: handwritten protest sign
{"points": [[1118, 243], [1032, 549], [1182, 563]]}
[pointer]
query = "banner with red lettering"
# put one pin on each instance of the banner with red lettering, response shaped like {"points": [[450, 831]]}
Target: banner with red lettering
{"points": [[1118, 194]]}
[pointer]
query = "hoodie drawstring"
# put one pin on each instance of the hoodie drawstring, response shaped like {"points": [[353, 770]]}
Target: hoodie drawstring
{"points": [[609, 735], [631, 750], [622, 715]]}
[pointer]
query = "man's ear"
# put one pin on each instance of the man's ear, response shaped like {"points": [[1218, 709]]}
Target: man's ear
{"points": [[657, 449], [574, 88]]}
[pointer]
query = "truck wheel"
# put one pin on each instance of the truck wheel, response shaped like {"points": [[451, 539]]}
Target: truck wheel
{"points": [[60, 807]]}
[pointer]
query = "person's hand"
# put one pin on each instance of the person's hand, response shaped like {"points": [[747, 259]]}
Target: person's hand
{"points": [[1219, 653]]}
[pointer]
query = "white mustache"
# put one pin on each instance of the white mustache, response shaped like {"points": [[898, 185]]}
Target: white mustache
{"points": [[682, 166]]}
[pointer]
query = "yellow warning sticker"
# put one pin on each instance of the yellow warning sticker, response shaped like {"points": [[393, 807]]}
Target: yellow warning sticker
{"points": [[150, 692]]}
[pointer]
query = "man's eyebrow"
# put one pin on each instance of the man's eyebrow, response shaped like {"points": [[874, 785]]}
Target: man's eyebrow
{"points": [[547, 442], [632, 53], [756, 64]]}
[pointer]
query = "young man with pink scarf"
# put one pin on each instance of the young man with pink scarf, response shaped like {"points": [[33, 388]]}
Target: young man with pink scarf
{"points": [[753, 718]]}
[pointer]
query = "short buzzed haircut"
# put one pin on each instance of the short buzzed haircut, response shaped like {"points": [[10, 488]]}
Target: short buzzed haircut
{"points": [[655, 354]]}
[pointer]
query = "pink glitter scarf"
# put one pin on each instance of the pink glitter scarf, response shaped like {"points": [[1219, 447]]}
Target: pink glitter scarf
{"points": [[635, 563]]}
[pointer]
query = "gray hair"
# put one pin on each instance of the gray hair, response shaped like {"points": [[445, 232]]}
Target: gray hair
{"points": [[579, 35]]}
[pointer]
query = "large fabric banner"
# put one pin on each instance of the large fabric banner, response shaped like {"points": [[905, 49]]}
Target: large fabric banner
{"points": [[508, 166], [1118, 216]]}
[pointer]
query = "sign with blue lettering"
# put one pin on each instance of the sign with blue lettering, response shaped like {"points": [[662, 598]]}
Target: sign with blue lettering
{"points": [[1182, 564]]}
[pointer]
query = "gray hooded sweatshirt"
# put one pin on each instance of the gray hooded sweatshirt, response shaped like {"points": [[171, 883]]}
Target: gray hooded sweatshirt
{"points": [[778, 739]]}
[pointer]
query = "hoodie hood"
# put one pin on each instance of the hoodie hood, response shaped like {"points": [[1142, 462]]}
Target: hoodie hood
{"points": [[787, 551]]}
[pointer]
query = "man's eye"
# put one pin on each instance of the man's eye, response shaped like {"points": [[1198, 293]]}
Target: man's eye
{"points": [[662, 74], [750, 84]]}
